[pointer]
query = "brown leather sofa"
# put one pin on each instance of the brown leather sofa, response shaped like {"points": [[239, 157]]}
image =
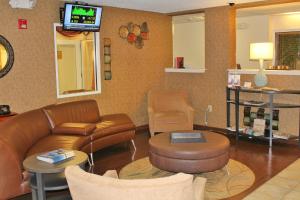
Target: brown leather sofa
{"points": [[74, 125]]}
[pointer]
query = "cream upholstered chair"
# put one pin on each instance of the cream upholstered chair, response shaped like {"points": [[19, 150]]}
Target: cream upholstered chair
{"points": [[86, 186], [169, 110]]}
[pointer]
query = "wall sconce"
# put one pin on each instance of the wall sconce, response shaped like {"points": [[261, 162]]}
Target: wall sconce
{"points": [[261, 52]]}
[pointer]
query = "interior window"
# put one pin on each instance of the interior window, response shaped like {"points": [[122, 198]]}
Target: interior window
{"points": [[189, 40], [77, 62], [288, 49], [278, 24]]}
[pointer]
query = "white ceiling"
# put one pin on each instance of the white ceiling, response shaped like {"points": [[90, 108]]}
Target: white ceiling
{"points": [[269, 10], [188, 18], [164, 6]]}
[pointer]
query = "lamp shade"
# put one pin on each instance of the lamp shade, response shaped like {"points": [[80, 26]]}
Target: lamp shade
{"points": [[262, 50]]}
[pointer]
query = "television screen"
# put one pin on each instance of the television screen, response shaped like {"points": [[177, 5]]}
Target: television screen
{"points": [[82, 17]]}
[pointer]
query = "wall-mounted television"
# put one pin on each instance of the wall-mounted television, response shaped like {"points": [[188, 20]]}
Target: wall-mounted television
{"points": [[79, 17]]}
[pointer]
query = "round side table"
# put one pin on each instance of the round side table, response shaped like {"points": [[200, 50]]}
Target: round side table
{"points": [[49, 177]]}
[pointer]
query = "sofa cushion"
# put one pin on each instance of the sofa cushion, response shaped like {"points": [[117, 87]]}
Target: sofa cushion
{"points": [[85, 111], [53, 142], [112, 124], [74, 128]]}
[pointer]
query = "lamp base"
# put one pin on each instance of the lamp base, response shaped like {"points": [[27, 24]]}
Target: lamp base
{"points": [[260, 78]]}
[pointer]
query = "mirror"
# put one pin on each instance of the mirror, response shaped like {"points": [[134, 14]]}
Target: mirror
{"points": [[6, 56], [77, 62]]}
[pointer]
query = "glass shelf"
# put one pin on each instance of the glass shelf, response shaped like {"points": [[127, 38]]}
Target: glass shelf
{"points": [[265, 105]]}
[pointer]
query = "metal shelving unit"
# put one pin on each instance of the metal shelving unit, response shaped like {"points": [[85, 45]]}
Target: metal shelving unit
{"points": [[270, 104]]}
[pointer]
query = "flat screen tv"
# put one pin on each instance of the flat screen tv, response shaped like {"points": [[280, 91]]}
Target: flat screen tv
{"points": [[79, 17]]}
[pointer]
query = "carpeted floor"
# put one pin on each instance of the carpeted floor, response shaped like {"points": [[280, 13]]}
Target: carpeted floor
{"points": [[283, 186], [219, 184]]}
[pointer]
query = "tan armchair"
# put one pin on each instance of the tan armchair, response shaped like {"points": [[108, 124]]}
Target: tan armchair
{"points": [[86, 186], [169, 110]]}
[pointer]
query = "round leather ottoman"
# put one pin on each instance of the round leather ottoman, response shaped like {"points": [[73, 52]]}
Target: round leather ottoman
{"points": [[189, 157]]}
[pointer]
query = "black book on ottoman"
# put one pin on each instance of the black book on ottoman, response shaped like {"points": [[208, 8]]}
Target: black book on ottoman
{"points": [[187, 137]]}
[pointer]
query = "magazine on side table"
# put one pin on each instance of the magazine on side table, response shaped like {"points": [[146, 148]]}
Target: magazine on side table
{"points": [[56, 156]]}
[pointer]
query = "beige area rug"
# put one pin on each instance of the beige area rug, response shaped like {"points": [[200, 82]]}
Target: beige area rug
{"points": [[219, 184], [283, 186]]}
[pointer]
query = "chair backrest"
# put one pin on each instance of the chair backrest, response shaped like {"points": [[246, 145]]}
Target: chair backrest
{"points": [[86, 186], [164, 100], [84, 111]]}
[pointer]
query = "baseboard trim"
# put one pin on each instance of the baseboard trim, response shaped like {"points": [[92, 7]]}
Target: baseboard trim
{"points": [[144, 128], [210, 128]]}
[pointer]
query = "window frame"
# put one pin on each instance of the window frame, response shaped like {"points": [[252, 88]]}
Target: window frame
{"points": [[97, 66], [275, 42]]}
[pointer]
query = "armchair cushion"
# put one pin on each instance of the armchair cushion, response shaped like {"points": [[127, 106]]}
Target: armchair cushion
{"points": [[111, 173], [169, 110], [74, 128], [171, 117], [199, 184], [86, 186]]}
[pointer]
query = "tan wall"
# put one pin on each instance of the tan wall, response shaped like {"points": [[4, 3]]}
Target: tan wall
{"points": [[31, 82], [209, 88]]}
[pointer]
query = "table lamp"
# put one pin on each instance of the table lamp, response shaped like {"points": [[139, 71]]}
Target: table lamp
{"points": [[261, 51]]}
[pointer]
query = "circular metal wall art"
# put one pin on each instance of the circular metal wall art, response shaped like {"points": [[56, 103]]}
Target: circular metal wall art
{"points": [[139, 43], [123, 32], [135, 34], [136, 30], [8, 53], [130, 27]]}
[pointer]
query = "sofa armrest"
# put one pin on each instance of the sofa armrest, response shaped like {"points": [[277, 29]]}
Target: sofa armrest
{"points": [[199, 186], [74, 128], [10, 172], [111, 173]]}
